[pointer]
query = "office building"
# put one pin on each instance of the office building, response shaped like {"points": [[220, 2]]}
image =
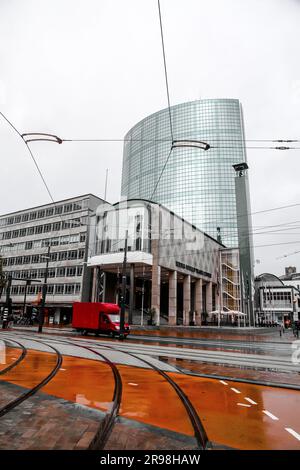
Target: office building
{"points": [[197, 185], [24, 240]]}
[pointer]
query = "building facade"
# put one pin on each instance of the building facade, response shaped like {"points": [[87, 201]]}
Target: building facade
{"points": [[276, 301], [197, 185], [25, 237], [172, 269]]}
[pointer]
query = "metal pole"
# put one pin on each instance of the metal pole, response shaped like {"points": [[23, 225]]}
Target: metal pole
{"points": [[123, 298], [143, 293], [105, 192], [25, 294], [44, 293]]}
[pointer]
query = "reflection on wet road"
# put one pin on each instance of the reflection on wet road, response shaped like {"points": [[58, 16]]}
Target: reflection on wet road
{"points": [[8, 356], [237, 415]]}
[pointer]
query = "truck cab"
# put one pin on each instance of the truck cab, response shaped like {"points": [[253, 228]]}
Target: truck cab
{"points": [[98, 318]]}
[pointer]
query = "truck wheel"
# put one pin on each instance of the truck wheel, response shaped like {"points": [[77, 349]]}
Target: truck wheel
{"points": [[84, 332], [112, 334]]}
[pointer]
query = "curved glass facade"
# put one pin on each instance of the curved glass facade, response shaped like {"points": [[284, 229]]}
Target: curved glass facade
{"points": [[197, 185]]}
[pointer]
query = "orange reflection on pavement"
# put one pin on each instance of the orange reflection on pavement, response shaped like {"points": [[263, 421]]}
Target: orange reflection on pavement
{"points": [[242, 427], [149, 398], [83, 381], [8, 355], [32, 369]]}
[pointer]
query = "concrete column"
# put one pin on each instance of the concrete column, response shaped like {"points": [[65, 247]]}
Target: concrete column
{"points": [[198, 301], [131, 294], [155, 298], [172, 298], [209, 297], [186, 300]]}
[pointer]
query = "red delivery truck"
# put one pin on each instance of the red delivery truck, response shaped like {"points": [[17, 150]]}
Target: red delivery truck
{"points": [[97, 317]]}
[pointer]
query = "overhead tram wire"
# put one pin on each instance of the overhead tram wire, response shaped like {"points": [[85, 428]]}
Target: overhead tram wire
{"points": [[32, 156], [165, 68]]}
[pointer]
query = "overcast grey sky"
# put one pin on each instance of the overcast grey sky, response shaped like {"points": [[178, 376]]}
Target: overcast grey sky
{"points": [[93, 68]]}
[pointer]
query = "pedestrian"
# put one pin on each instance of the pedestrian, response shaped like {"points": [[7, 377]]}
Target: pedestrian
{"points": [[297, 328], [281, 329]]}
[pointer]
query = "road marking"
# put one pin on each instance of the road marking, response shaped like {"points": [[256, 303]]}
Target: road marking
{"points": [[270, 415], [244, 404], [251, 401], [235, 390], [293, 433], [131, 383], [224, 383]]}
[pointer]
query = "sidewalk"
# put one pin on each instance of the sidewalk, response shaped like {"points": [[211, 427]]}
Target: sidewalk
{"points": [[188, 332]]}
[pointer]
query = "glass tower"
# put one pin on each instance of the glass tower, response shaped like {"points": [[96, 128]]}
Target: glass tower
{"points": [[197, 185]]}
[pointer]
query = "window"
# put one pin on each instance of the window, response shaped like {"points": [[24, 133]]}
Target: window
{"points": [[72, 254], [41, 214], [10, 221], [22, 232], [32, 215], [81, 254], [17, 219], [51, 272], [46, 242], [77, 206], [30, 231], [26, 259], [19, 260], [62, 255], [53, 256], [49, 211], [64, 240], [70, 288], [47, 228], [56, 226], [68, 208], [15, 233], [82, 237], [71, 271], [58, 209], [25, 217], [77, 288], [7, 235], [74, 238], [38, 229], [11, 261], [35, 258], [60, 272], [79, 270], [59, 289], [50, 289], [28, 245], [54, 241]]}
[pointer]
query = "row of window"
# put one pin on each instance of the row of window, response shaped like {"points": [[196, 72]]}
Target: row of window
{"points": [[273, 296], [61, 271], [55, 241], [40, 258], [37, 229], [54, 289], [39, 214]]}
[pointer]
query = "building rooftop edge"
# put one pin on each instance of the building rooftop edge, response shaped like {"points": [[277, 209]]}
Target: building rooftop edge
{"points": [[51, 203]]}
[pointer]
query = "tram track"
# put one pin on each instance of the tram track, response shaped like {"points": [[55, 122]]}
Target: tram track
{"points": [[20, 399], [18, 360], [106, 427]]}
